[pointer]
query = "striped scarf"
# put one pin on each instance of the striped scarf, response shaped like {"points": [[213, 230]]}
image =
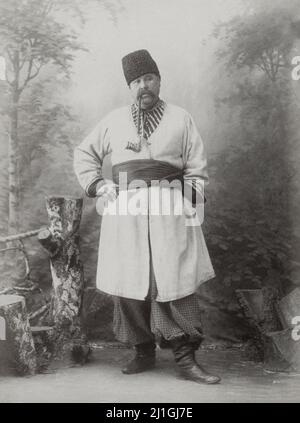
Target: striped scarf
{"points": [[150, 119]]}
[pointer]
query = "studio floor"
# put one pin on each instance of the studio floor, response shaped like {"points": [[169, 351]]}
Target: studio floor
{"points": [[101, 380]]}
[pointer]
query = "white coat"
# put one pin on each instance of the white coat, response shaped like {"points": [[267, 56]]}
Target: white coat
{"points": [[180, 257]]}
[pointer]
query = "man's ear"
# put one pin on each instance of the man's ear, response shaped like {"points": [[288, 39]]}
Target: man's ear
{"points": [[130, 89]]}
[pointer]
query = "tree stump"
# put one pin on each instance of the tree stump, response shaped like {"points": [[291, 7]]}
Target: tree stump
{"points": [[268, 317], [18, 340], [289, 308], [274, 360], [61, 240], [259, 307], [287, 347]]}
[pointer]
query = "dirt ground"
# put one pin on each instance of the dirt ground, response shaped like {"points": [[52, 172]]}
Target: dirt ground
{"points": [[101, 381]]}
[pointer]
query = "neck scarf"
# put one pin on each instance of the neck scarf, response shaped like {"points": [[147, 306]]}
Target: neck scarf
{"points": [[149, 119]]}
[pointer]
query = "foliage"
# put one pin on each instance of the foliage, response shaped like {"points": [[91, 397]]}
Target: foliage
{"points": [[249, 224], [40, 48], [263, 40], [32, 37]]}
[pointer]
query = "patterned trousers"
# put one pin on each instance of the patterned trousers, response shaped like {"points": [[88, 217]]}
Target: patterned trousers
{"points": [[136, 322]]}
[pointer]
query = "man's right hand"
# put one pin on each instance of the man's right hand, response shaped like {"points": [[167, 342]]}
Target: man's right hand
{"points": [[106, 189]]}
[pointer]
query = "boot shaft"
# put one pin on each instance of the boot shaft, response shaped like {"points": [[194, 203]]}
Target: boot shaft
{"points": [[146, 349]]}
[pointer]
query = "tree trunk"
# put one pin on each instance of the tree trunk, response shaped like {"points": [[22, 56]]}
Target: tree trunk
{"points": [[259, 307], [289, 308], [13, 200], [18, 341], [13, 220], [287, 348], [268, 317], [61, 241]]}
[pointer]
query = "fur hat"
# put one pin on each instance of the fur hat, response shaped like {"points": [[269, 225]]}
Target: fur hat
{"points": [[138, 63]]}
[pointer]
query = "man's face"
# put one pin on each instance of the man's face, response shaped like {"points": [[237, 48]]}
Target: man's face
{"points": [[148, 86]]}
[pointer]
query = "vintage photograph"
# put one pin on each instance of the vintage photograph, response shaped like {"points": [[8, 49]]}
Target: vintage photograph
{"points": [[149, 203]]}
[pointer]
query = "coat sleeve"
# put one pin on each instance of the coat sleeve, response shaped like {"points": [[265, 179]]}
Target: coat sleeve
{"points": [[88, 159], [195, 163]]}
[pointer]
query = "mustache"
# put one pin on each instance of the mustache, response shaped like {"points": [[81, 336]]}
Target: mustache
{"points": [[142, 91]]}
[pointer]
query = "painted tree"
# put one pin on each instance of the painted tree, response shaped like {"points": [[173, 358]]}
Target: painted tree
{"points": [[39, 42], [250, 222], [32, 37]]}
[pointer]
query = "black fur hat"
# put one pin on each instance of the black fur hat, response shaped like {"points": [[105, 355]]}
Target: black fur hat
{"points": [[138, 63]]}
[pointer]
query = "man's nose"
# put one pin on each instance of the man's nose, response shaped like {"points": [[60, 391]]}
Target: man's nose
{"points": [[143, 84]]}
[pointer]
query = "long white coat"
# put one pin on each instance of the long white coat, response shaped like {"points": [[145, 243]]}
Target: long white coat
{"points": [[181, 261]]}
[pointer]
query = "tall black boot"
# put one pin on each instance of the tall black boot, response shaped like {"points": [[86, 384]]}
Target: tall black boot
{"points": [[144, 359], [184, 353]]}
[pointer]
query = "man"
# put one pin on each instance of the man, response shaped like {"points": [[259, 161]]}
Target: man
{"points": [[150, 262]]}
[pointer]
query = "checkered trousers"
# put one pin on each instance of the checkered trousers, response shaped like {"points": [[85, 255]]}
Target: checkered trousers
{"points": [[136, 322]]}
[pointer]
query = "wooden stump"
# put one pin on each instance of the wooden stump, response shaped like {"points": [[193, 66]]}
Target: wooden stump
{"points": [[288, 347], [61, 240], [289, 308], [19, 342], [268, 316], [259, 307], [273, 360]]}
